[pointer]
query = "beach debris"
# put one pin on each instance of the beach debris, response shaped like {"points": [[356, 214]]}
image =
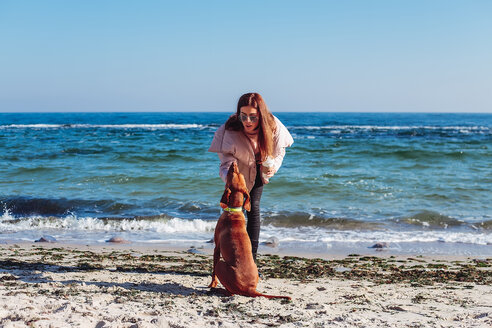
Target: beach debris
{"points": [[160, 322], [314, 306], [271, 242], [341, 269], [482, 263], [117, 240], [101, 324], [419, 298], [481, 315], [8, 277], [380, 245], [194, 250], [395, 308], [46, 239]]}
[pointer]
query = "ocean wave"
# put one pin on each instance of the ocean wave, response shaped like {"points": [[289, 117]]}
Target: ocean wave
{"points": [[28, 206], [485, 225], [316, 235], [431, 219], [25, 207], [164, 228], [303, 132], [422, 221], [340, 128], [160, 224], [335, 129], [104, 126], [302, 219]]}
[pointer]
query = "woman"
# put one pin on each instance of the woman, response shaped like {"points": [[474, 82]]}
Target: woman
{"points": [[252, 138]]}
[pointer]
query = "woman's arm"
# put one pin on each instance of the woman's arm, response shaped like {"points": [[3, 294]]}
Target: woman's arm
{"points": [[225, 162], [278, 160], [226, 158], [282, 140]]}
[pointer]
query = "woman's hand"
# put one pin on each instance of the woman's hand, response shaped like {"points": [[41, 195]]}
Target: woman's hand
{"points": [[269, 171]]}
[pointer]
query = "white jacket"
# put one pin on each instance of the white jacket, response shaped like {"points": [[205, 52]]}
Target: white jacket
{"points": [[234, 146]]}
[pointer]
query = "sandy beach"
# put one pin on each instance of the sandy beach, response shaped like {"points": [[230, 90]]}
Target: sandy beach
{"points": [[58, 285]]}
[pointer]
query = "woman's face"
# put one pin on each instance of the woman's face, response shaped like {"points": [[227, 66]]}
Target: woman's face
{"points": [[249, 116]]}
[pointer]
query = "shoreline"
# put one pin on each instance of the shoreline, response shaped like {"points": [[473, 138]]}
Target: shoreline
{"points": [[125, 285], [325, 251]]}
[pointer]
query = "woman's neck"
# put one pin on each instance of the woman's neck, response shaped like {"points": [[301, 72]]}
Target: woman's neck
{"points": [[252, 134]]}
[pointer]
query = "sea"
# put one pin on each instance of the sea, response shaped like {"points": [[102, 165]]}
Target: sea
{"points": [[415, 183]]}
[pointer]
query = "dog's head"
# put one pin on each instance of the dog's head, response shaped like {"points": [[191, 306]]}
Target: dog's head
{"points": [[236, 193]]}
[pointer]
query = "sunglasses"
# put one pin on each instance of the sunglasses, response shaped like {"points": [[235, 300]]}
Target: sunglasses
{"points": [[252, 118]]}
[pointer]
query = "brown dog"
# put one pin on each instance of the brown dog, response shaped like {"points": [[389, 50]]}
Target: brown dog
{"points": [[236, 270]]}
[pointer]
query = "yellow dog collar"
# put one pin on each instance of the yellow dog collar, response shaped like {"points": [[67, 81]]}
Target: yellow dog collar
{"points": [[233, 209]]}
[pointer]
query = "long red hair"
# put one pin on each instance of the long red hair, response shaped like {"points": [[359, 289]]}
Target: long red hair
{"points": [[266, 126]]}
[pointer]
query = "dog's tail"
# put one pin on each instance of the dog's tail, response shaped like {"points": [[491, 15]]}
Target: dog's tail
{"points": [[271, 296]]}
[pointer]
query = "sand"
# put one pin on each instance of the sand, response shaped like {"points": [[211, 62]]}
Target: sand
{"points": [[56, 285]]}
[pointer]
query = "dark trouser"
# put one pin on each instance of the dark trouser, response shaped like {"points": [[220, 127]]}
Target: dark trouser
{"points": [[253, 225]]}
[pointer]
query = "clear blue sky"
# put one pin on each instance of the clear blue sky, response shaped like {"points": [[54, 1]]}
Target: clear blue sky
{"points": [[367, 55]]}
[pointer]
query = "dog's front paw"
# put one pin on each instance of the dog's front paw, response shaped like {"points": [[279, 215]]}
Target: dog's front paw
{"points": [[213, 284]]}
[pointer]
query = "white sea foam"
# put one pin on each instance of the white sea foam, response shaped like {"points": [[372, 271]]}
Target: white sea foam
{"points": [[339, 128], [104, 126], [32, 126], [170, 241], [72, 223], [390, 236], [334, 128], [182, 230]]}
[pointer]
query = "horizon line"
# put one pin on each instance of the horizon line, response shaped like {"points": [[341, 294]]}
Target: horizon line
{"points": [[220, 111]]}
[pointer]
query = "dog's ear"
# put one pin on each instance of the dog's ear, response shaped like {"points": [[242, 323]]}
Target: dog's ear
{"points": [[247, 201], [224, 201]]}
